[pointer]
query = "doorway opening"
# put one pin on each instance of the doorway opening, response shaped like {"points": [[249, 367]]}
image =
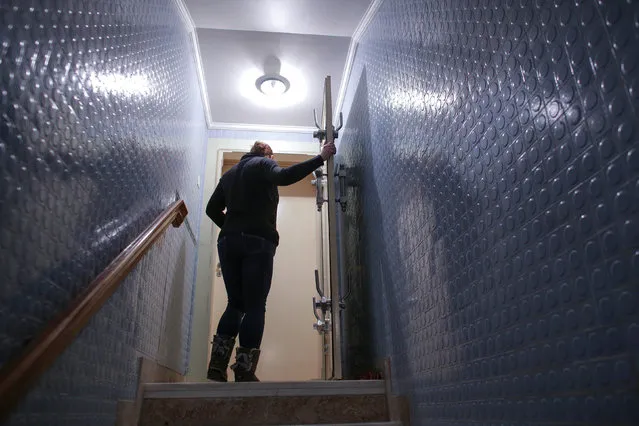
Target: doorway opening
{"points": [[291, 349]]}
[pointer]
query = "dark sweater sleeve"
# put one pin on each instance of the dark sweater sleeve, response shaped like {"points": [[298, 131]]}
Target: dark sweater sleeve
{"points": [[290, 175], [216, 205]]}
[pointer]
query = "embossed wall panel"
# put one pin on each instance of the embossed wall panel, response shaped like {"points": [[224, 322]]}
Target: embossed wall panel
{"points": [[101, 128], [493, 152]]}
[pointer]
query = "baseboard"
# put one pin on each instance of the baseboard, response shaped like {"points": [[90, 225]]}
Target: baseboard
{"points": [[149, 371], [398, 405]]}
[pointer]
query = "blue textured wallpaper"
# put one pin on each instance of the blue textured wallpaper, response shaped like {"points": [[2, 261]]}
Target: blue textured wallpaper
{"points": [[101, 128], [492, 149]]}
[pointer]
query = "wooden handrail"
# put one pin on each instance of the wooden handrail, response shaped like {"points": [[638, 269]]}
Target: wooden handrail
{"points": [[20, 373]]}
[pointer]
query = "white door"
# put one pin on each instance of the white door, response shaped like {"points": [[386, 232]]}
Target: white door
{"points": [[291, 348]]}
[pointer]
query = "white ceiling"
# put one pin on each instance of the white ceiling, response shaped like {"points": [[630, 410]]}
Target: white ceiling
{"points": [[227, 55], [319, 17], [309, 37]]}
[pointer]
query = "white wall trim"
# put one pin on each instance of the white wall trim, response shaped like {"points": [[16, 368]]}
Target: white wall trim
{"points": [[352, 49], [261, 127], [202, 80], [185, 15], [223, 144], [188, 21]]}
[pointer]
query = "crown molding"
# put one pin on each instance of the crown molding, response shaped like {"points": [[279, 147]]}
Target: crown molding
{"points": [[185, 15], [188, 21], [352, 50], [261, 128]]}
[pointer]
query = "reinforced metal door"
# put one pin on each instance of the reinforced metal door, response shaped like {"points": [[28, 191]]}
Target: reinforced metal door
{"points": [[328, 276]]}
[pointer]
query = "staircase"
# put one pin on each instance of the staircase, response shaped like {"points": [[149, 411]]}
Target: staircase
{"points": [[266, 403]]}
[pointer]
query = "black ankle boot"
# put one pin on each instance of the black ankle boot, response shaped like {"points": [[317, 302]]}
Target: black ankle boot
{"points": [[245, 364], [220, 357]]}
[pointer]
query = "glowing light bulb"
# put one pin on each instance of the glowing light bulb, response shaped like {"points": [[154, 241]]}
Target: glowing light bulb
{"points": [[273, 87]]}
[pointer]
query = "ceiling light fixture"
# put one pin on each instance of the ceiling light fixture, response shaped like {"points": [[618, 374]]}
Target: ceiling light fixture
{"points": [[254, 85], [272, 85]]}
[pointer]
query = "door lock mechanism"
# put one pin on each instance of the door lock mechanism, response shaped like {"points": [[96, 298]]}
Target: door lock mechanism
{"points": [[323, 321], [322, 326], [324, 304]]}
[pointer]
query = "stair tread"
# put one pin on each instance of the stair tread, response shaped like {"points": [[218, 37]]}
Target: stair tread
{"points": [[248, 389]]}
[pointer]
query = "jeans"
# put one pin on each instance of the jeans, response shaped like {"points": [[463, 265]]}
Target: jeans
{"points": [[247, 268]]}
